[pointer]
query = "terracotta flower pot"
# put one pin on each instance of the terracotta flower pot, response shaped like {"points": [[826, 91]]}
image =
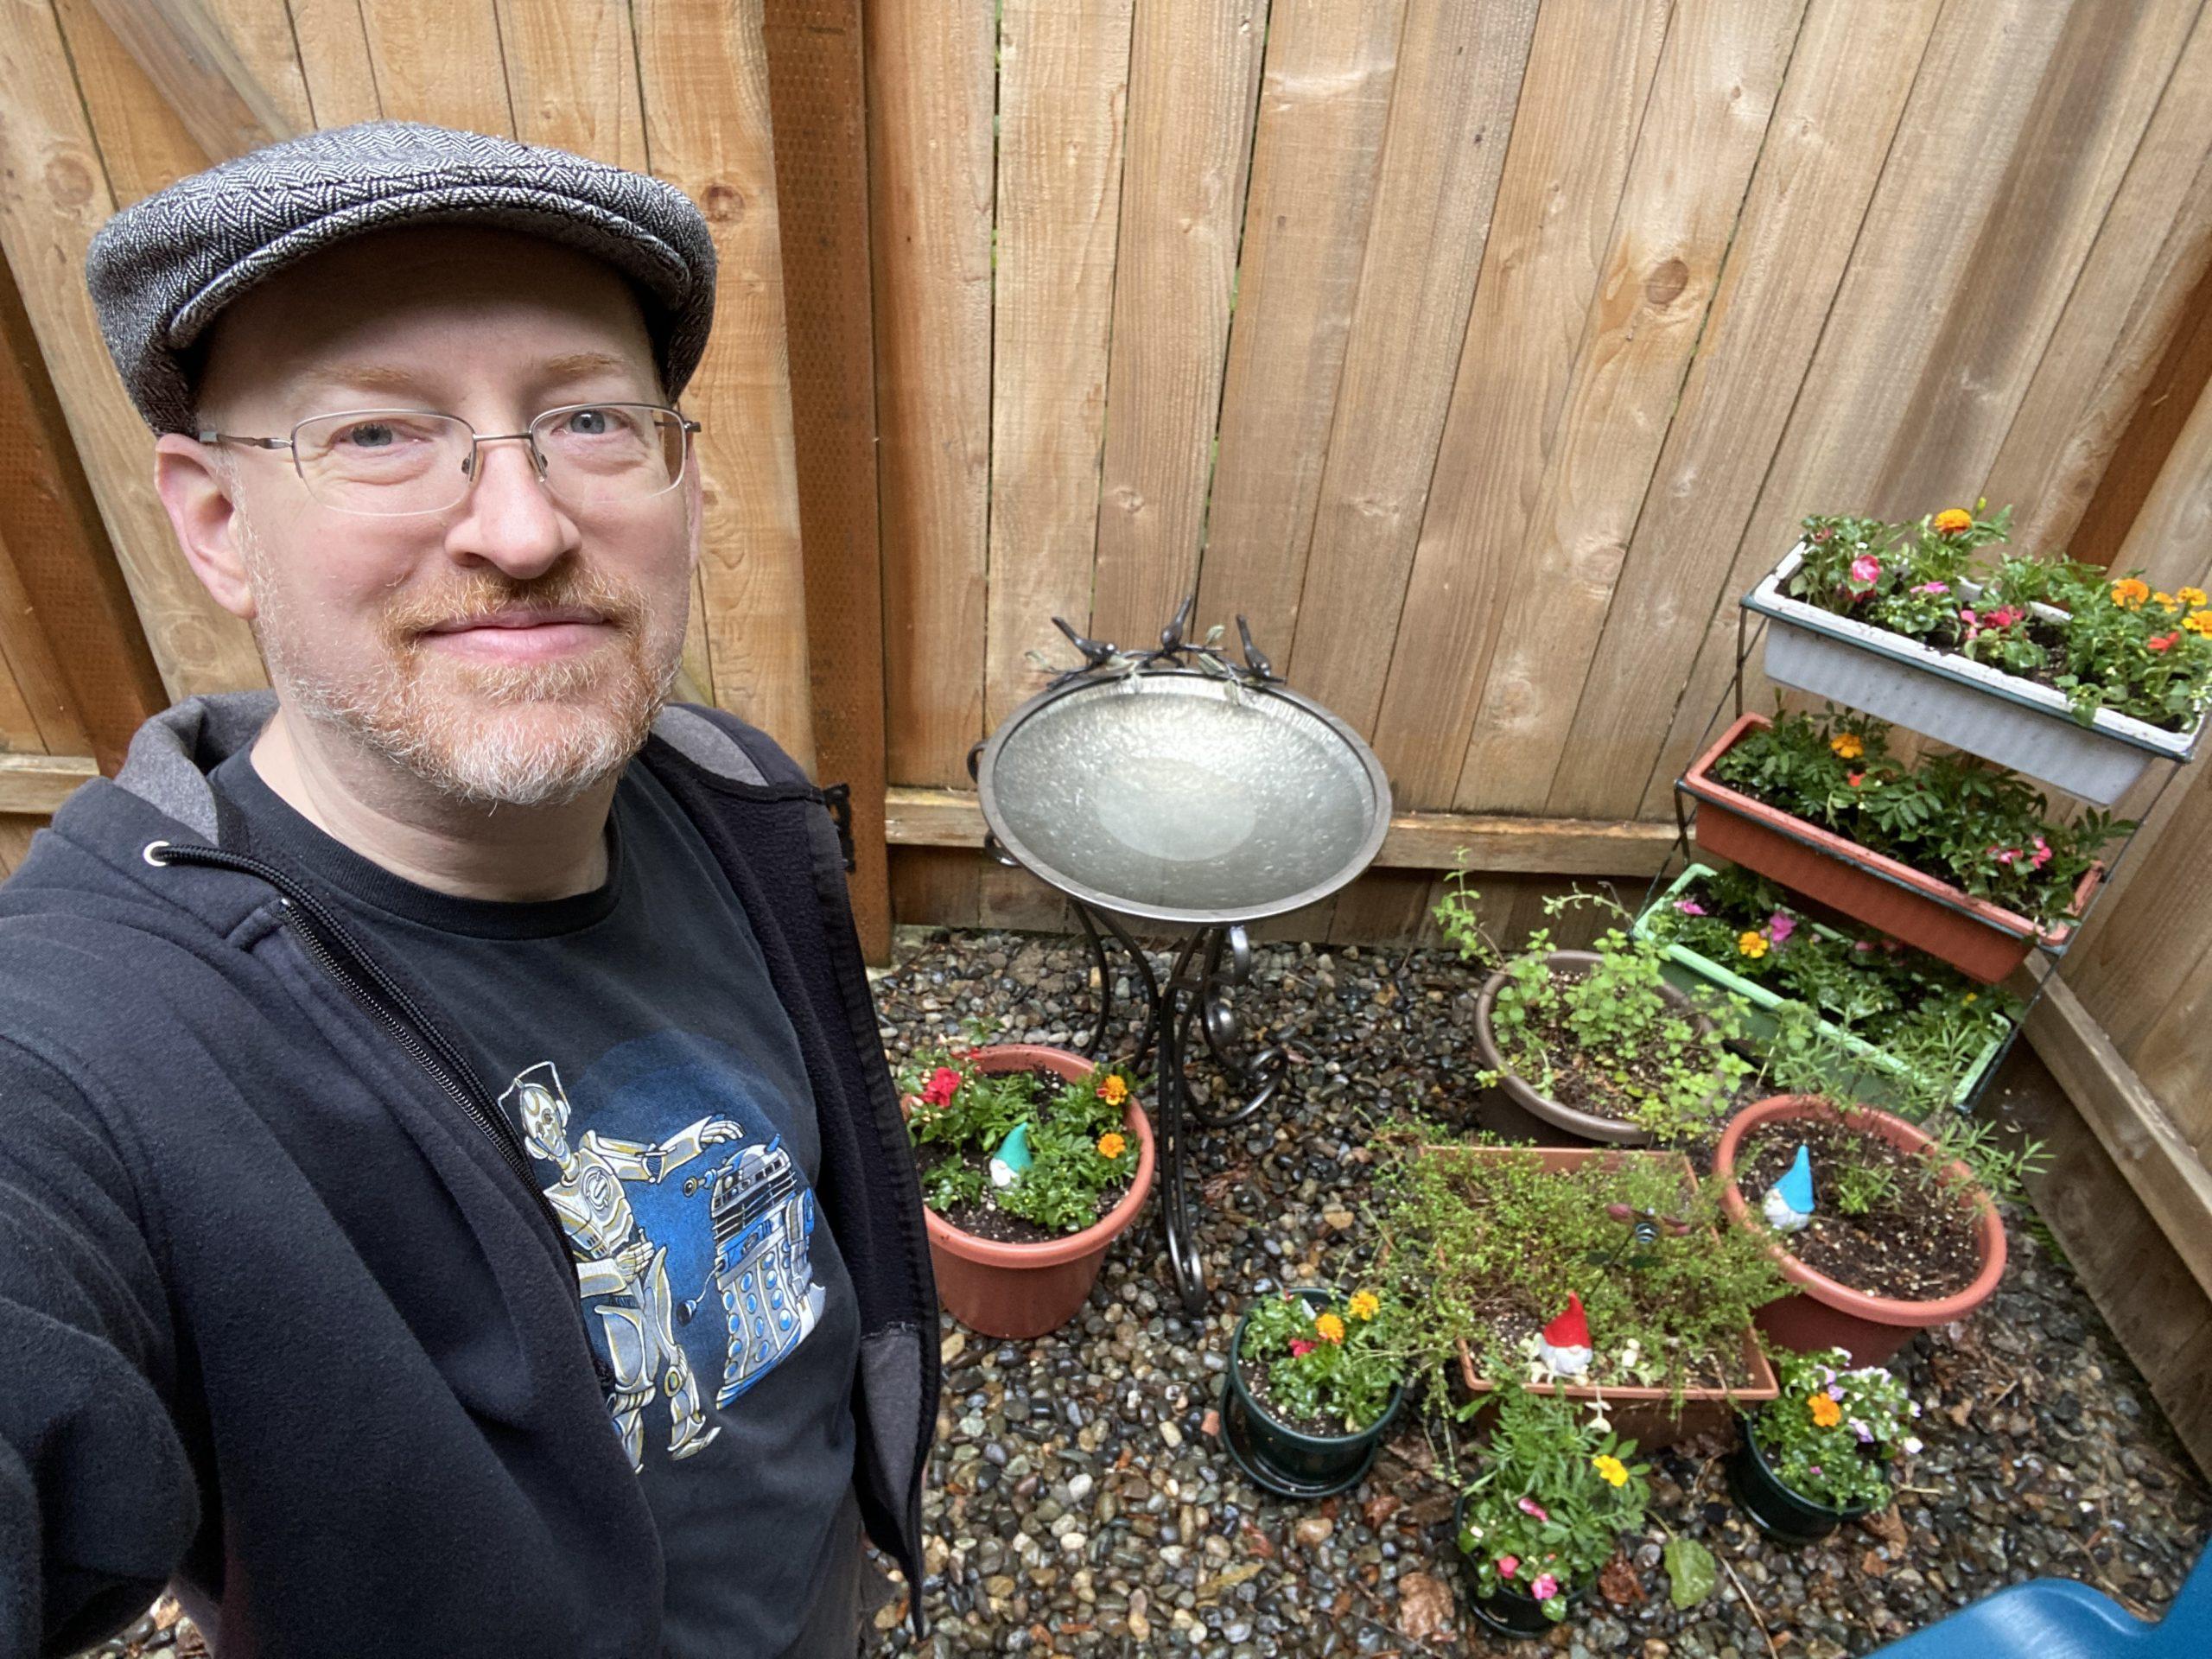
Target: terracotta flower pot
{"points": [[1536, 1115], [1026, 1290], [1821, 1313], [1650, 1416], [1986, 943]]}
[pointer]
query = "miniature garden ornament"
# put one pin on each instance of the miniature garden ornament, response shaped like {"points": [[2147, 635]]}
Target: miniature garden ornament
{"points": [[1011, 1157], [1565, 1346], [1789, 1203]]}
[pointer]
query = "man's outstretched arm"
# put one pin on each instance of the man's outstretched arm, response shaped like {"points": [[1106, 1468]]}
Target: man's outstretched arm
{"points": [[97, 1497]]}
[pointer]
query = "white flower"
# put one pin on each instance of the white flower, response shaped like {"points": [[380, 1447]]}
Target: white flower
{"points": [[1912, 1446]]}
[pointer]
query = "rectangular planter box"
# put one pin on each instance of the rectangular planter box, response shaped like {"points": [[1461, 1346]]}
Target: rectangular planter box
{"points": [[1649, 1416], [1968, 705], [1982, 940], [1877, 1086]]}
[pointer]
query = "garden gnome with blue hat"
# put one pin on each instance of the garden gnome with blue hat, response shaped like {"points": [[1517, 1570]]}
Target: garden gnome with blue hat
{"points": [[1789, 1203]]}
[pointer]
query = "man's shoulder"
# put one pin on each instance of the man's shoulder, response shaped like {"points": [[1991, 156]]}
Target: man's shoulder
{"points": [[721, 744]]}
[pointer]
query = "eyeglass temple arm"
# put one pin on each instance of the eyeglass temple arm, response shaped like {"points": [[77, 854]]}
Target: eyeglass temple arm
{"points": [[212, 436]]}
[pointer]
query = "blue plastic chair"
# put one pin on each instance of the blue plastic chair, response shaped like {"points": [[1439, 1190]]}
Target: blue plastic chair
{"points": [[2057, 1618]]}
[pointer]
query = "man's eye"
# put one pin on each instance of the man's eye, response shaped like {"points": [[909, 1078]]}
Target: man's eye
{"points": [[591, 422], [369, 434]]}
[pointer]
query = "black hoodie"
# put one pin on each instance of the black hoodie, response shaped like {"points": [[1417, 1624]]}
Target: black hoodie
{"points": [[282, 1316]]}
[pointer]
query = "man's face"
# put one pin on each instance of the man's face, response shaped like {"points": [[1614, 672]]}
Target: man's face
{"points": [[513, 648]]}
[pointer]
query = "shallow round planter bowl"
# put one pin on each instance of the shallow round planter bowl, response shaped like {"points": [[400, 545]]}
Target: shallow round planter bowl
{"points": [[1821, 1313], [1780, 1510], [1026, 1290], [1528, 1115], [1510, 1612], [1291, 1461]]}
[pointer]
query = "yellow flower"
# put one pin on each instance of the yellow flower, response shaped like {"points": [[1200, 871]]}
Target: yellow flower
{"points": [[1111, 1145], [2190, 595], [1114, 1089], [2128, 592], [1826, 1412], [1952, 520], [1365, 1305], [1753, 946], [2199, 622], [1971, 996], [2163, 601], [1614, 1471], [1329, 1328], [1847, 744]]}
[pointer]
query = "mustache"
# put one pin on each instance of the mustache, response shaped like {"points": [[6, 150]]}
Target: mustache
{"points": [[488, 593]]}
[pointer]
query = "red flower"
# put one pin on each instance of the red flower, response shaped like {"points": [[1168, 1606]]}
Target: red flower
{"points": [[1299, 1347], [1853, 778], [944, 1083], [2165, 641]]}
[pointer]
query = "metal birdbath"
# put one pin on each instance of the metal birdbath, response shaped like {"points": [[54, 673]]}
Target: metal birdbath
{"points": [[1188, 793]]}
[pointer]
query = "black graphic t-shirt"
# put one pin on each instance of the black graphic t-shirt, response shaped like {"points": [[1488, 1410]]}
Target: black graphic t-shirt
{"points": [[633, 1036]]}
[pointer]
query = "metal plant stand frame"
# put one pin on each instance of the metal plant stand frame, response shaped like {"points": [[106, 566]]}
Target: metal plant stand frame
{"points": [[1190, 1004]]}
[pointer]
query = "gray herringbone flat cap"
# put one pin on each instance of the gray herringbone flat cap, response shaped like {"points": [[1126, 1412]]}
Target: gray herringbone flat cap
{"points": [[162, 270]]}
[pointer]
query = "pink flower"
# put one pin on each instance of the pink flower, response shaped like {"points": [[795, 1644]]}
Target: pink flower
{"points": [[2043, 854], [1866, 567], [1863, 945], [1690, 907], [1508, 1566], [1781, 927], [1933, 588], [1545, 1588], [2005, 616], [2006, 855], [944, 1083], [1530, 1506], [1299, 1347]]}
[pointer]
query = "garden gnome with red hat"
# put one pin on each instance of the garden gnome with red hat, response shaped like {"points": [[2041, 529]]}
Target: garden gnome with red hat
{"points": [[1564, 1344]]}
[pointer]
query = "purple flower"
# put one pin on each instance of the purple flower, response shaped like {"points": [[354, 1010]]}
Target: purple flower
{"points": [[1781, 926], [1911, 1446], [1835, 1391], [1866, 1434]]}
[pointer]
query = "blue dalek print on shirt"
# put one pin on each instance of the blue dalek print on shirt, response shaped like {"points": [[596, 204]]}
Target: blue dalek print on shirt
{"points": [[691, 1285]]}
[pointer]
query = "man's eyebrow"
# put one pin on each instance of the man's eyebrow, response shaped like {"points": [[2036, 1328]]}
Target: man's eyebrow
{"points": [[368, 377], [575, 365]]}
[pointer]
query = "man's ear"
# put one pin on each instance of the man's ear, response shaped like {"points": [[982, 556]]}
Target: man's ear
{"points": [[196, 487]]}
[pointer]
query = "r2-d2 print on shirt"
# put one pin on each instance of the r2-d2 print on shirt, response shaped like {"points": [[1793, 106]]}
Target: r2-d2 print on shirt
{"points": [[760, 1281]]}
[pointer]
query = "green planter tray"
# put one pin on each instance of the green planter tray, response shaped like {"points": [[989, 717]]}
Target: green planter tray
{"points": [[1688, 971]]}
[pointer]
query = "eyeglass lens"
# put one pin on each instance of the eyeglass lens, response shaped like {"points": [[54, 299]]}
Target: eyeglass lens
{"points": [[390, 461]]}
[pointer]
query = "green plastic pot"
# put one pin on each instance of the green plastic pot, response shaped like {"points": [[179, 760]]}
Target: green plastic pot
{"points": [[1779, 1510], [1510, 1612], [1885, 1080], [1300, 1459]]}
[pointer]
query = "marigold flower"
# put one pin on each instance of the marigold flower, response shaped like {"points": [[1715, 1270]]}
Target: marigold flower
{"points": [[1847, 745], [1508, 1566], [2198, 622], [2128, 592], [1612, 1470], [1753, 946], [1825, 1413], [944, 1083], [1365, 1305], [1114, 1089], [2163, 601], [1299, 1347], [1952, 520], [1329, 1328], [1112, 1145], [2163, 641], [2189, 595]]}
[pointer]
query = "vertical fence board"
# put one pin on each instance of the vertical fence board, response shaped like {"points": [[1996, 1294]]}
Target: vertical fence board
{"points": [[1452, 99], [1589, 75], [1194, 72], [1064, 72], [572, 77], [705, 93], [1324, 99], [930, 108], [35, 711], [1710, 103], [1838, 111], [438, 61], [333, 46]]}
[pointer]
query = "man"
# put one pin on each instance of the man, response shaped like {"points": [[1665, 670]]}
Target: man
{"points": [[452, 1198]]}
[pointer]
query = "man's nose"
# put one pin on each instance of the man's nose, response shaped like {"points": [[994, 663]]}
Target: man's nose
{"points": [[510, 521]]}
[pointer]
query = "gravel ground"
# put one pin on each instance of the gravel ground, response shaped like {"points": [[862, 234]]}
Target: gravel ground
{"points": [[1078, 1504]]}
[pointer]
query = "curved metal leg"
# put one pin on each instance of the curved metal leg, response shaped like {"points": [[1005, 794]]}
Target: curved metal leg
{"points": [[1257, 1076], [1097, 1045]]}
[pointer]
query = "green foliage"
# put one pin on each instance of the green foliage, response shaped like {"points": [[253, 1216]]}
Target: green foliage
{"points": [[1692, 1573], [1620, 1030], [1831, 1433], [1949, 815], [1484, 1245], [2104, 643], [1077, 1143], [1329, 1358], [1858, 1185], [1555, 1492]]}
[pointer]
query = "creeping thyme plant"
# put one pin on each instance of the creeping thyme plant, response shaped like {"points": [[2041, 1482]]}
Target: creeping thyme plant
{"points": [[1615, 1041], [1335, 1360], [1960, 820], [2120, 645], [1556, 1490], [1077, 1141], [1483, 1245], [1832, 1432]]}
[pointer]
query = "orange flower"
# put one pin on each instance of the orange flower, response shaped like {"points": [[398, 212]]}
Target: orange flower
{"points": [[2190, 595], [1952, 520], [1365, 1305], [2164, 601], [2199, 622], [1111, 1145], [1848, 745], [2129, 593], [1826, 1412], [1329, 1328], [1114, 1089]]}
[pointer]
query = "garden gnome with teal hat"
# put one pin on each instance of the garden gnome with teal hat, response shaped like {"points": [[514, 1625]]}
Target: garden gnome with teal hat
{"points": [[1789, 1203], [1012, 1157]]}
